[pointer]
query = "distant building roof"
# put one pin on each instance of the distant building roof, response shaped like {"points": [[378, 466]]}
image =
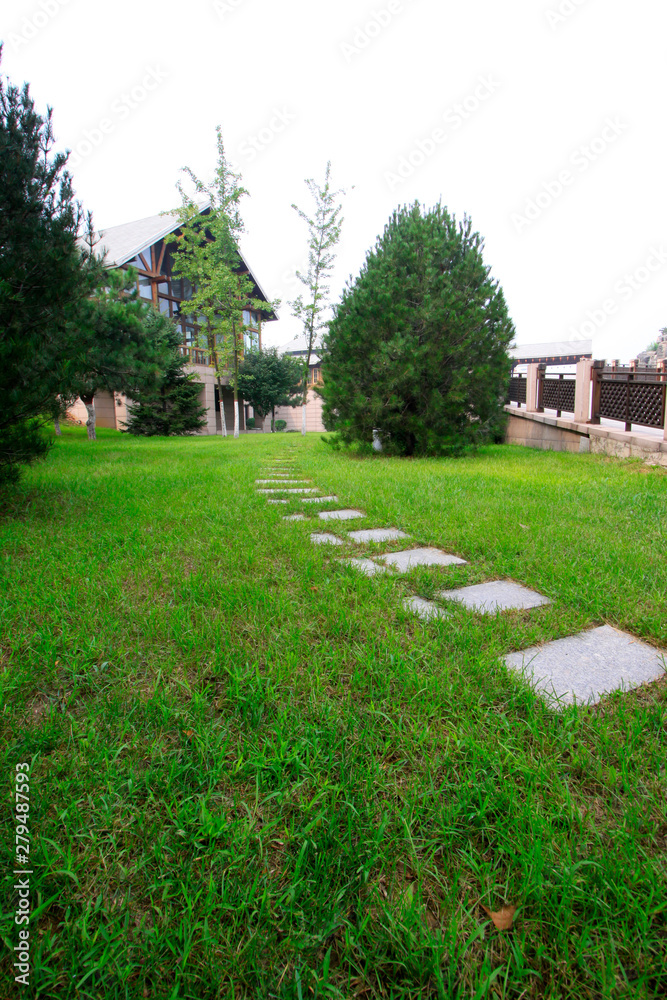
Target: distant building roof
{"points": [[556, 351]]}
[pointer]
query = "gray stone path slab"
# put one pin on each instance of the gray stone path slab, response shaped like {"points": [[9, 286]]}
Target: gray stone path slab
{"points": [[427, 610], [293, 517], [377, 535], [286, 491], [320, 500], [282, 482], [325, 538], [366, 566], [339, 515], [409, 558], [500, 595], [277, 501], [584, 667]]}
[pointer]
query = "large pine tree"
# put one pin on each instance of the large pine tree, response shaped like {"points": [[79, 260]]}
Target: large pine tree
{"points": [[417, 349], [44, 278]]}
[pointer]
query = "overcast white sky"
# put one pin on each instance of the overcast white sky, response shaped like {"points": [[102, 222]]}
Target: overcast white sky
{"points": [[544, 120]]}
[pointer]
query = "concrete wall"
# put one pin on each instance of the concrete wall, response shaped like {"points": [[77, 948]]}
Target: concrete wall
{"points": [[536, 430], [293, 415]]}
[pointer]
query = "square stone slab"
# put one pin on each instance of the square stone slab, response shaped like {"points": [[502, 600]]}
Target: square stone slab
{"points": [[584, 667], [277, 501], [339, 515], [500, 595], [324, 538], [427, 610], [291, 517], [377, 535], [320, 500], [287, 491], [366, 566], [409, 558]]}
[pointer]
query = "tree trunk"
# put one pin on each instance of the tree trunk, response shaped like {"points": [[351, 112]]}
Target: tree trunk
{"points": [[222, 408], [303, 419], [56, 424], [236, 382], [89, 403], [273, 420]]}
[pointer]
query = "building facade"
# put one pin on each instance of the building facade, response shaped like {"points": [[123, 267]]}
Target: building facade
{"points": [[148, 245]]}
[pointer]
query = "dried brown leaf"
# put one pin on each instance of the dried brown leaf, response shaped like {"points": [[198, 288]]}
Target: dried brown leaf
{"points": [[503, 919]]}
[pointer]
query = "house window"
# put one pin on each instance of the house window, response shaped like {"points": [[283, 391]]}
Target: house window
{"points": [[145, 288]]}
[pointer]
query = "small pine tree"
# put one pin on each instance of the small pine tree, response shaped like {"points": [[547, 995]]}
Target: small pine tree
{"points": [[417, 349], [171, 407]]}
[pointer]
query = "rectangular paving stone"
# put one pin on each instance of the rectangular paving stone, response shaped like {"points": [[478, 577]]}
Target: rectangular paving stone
{"points": [[583, 668], [427, 610], [283, 482], [286, 491], [339, 515], [409, 558], [377, 535], [292, 517], [324, 538], [500, 595], [277, 501], [366, 566], [320, 500]]}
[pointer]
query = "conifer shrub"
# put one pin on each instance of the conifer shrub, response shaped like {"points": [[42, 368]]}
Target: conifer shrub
{"points": [[418, 346]]}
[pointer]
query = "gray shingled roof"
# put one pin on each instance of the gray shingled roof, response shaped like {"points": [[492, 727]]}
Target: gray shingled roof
{"points": [[122, 243], [555, 349]]}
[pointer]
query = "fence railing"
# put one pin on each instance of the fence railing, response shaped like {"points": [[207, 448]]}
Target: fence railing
{"points": [[196, 355], [630, 394], [517, 390]]}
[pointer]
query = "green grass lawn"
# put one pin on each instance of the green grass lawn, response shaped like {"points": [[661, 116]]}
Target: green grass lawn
{"points": [[253, 774]]}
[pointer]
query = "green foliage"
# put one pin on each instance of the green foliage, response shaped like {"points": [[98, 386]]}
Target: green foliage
{"points": [[44, 277], [324, 228], [250, 423], [170, 406], [280, 425], [267, 380], [417, 348], [207, 254]]}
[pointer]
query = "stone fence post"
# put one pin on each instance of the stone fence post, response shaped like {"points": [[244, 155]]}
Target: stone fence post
{"points": [[533, 375], [582, 391]]}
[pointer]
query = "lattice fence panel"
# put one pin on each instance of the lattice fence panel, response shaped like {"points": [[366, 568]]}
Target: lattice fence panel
{"points": [[647, 404], [558, 394], [613, 400], [517, 390]]}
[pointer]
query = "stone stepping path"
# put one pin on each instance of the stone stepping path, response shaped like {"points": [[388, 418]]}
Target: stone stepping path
{"points": [[500, 595], [324, 537], [579, 669], [408, 559], [377, 535], [428, 610], [340, 515], [365, 566], [584, 667]]}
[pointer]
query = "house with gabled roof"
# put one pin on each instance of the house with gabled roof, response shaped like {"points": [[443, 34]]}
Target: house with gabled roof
{"points": [[148, 246]]}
